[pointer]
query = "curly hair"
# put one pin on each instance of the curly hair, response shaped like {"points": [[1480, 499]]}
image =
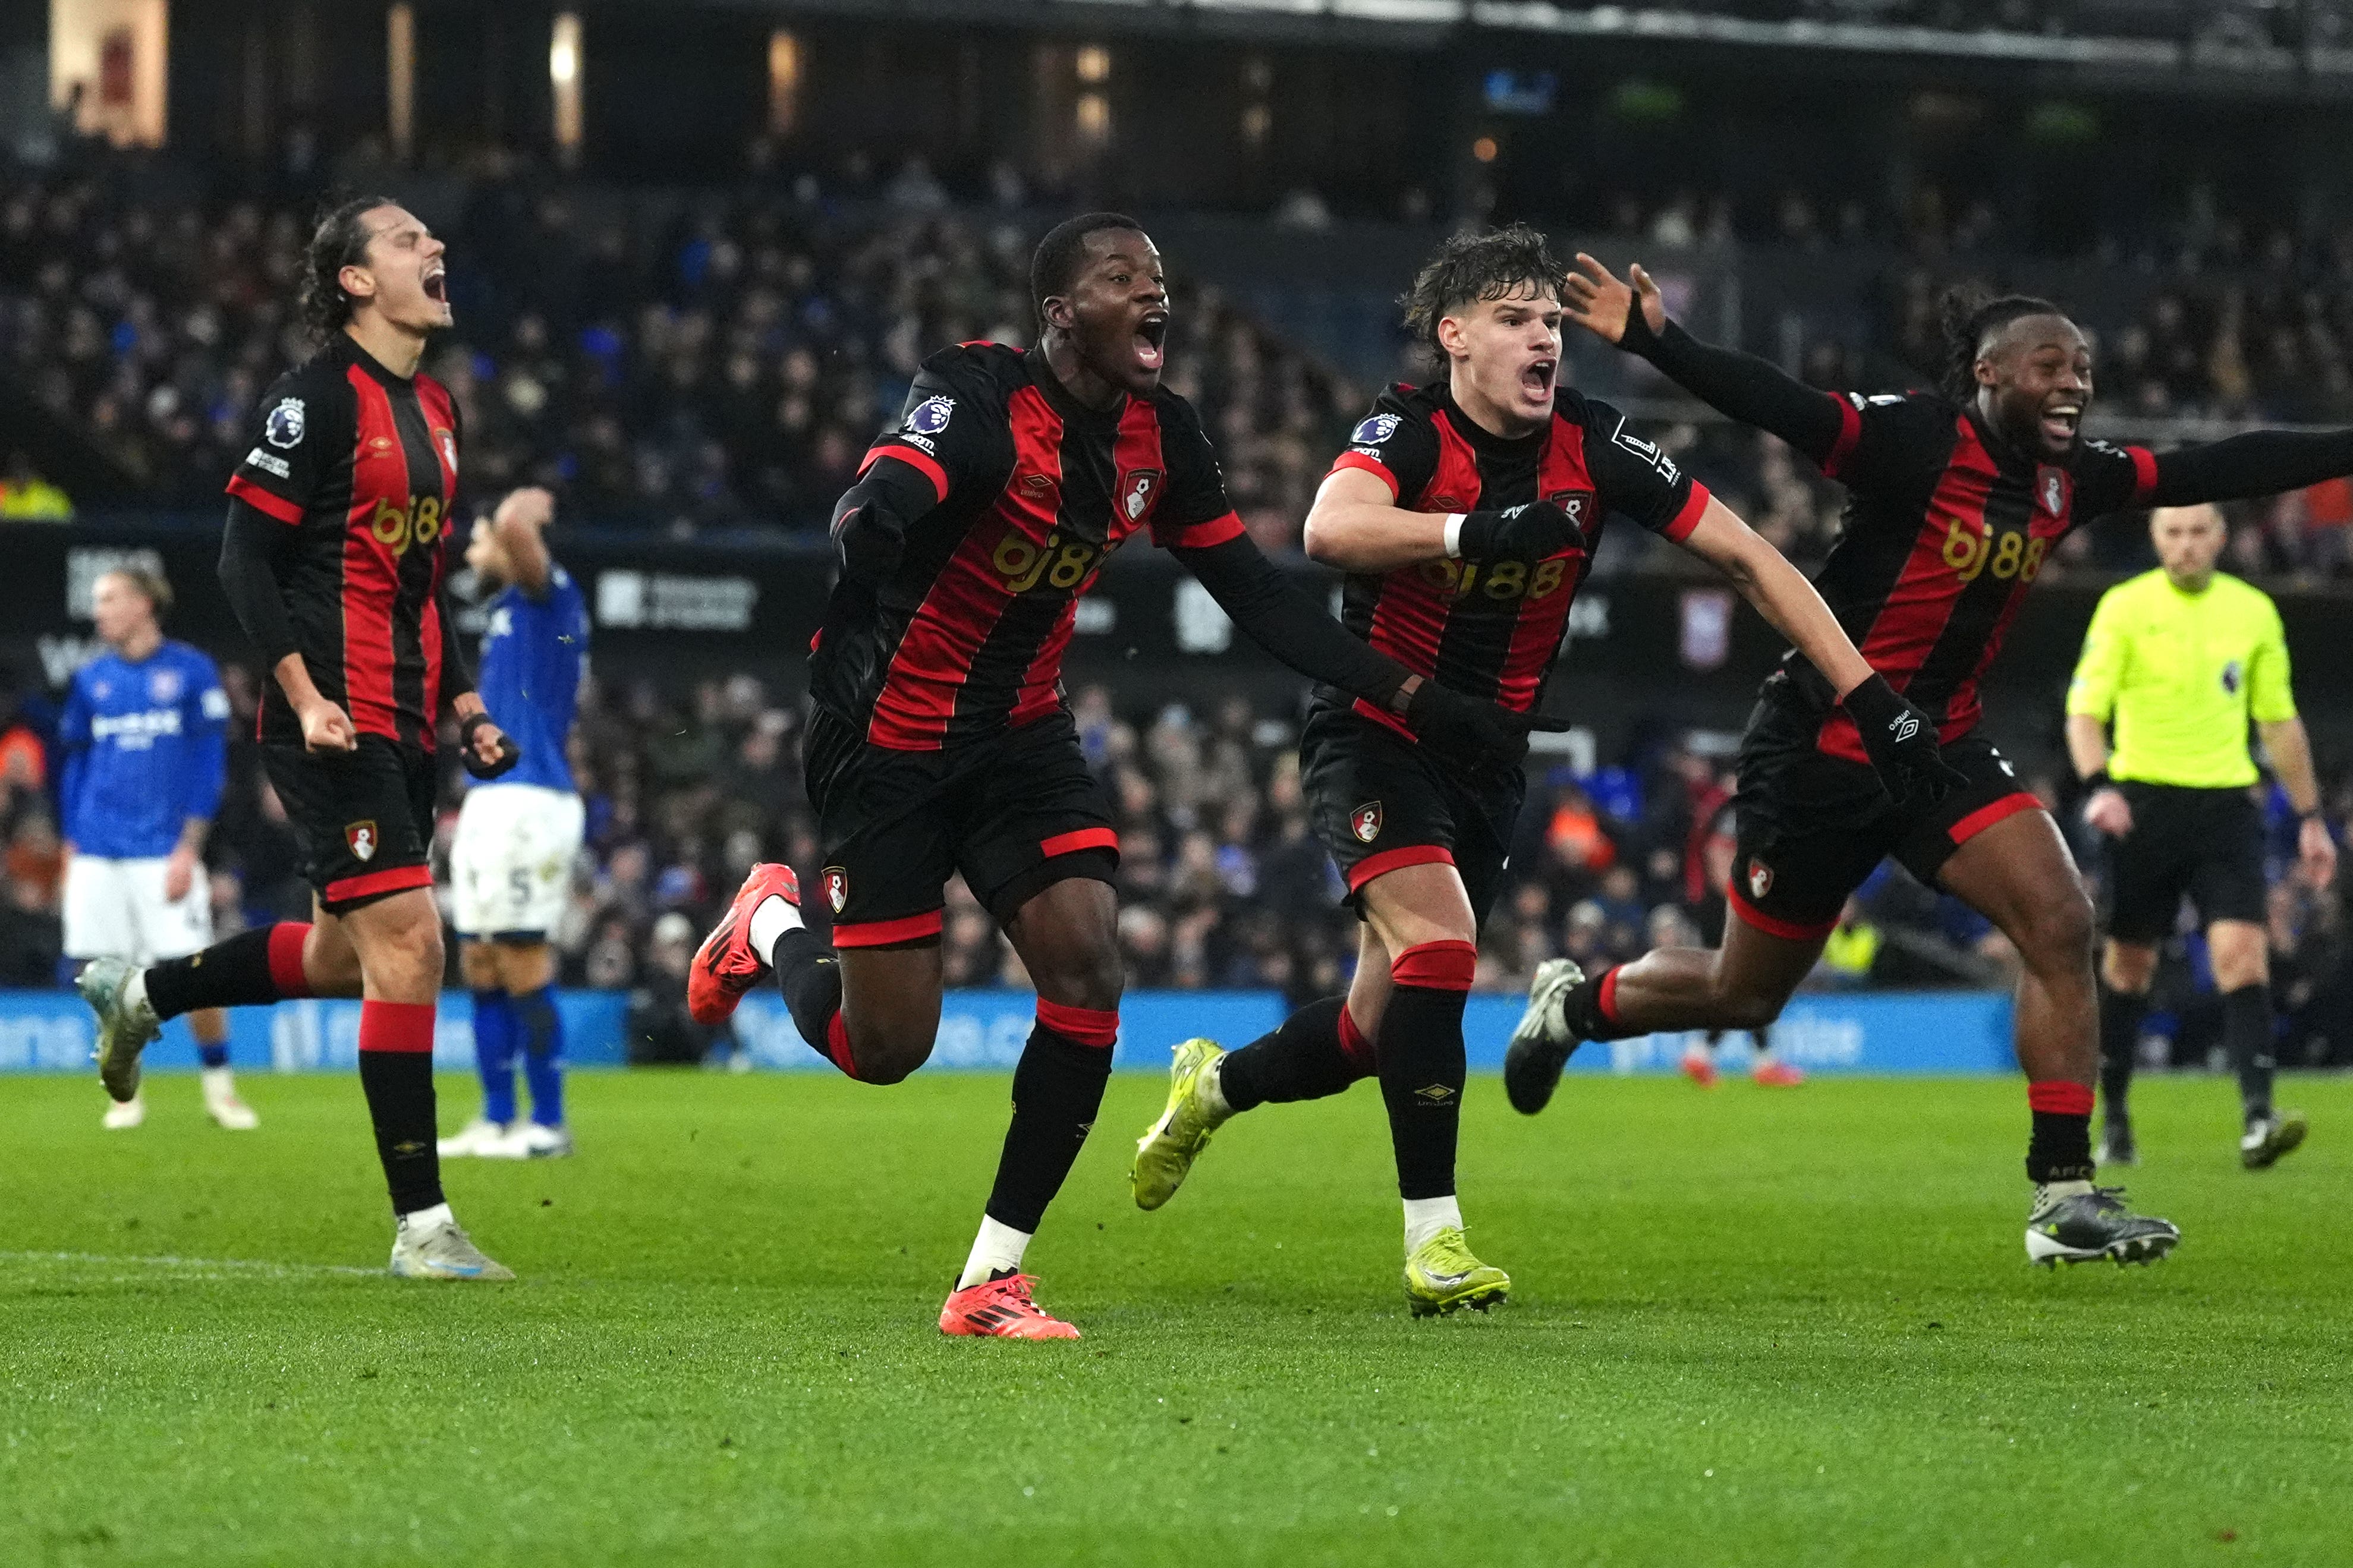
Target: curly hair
{"points": [[340, 240], [1490, 266], [1970, 315]]}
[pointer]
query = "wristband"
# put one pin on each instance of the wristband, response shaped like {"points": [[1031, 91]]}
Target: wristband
{"points": [[1454, 535]]}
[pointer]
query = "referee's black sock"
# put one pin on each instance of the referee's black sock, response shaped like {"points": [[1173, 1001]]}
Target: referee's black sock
{"points": [[1316, 1051], [251, 969], [2121, 1015], [2247, 1030], [1422, 1062]]}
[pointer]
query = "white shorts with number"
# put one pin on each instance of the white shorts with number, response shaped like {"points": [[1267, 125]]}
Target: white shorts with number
{"points": [[511, 863], [116, 909]]}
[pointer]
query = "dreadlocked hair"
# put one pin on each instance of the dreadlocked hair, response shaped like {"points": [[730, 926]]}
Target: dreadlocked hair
{"points": [[1970, 315], [1490, 266], [340, 240]]}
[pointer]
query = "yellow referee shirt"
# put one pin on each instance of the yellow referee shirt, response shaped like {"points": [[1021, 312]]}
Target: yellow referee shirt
{"points": [[2181, 674]]}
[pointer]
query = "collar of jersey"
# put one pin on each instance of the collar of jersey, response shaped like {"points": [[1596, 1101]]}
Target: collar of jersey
{"points": [[1486, 440], [348, 348], [1059, 397]]}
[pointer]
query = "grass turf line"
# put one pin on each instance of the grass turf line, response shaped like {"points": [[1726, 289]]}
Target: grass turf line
{"points": [[1748, 1327]]}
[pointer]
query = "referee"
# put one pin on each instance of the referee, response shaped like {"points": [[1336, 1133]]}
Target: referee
{"points": [[2182, 658]]}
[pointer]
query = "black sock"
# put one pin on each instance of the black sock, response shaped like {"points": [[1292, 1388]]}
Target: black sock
{"points": [[1590, 1016], [399, 1088], [2060, 1147], [1421, 1063], [1306, 1058], [1057, 1090], [2247, 1030], [2121, 1014], [231, 973], [809, 975]]}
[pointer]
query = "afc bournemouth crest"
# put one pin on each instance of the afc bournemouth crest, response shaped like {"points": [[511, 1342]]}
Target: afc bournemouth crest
{"points": [[1140, 486], [2054, 492], [448, 441], [1366, 821], [1761, 879], [837, 888], [360, 838]]}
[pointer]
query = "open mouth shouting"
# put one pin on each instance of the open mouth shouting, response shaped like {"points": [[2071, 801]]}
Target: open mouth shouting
{"points": [[1151, 340], [436, 282], [1537, 378], [2061, 419]]}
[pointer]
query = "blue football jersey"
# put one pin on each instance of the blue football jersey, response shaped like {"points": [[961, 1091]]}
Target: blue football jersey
{"points": [[533, 655], [146, 748]]}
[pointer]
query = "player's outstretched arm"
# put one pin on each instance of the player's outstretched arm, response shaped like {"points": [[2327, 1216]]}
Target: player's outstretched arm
{"points": [[1633, 315], [1898, 738], [872, 519], [1294, 629], [2258, 463]]}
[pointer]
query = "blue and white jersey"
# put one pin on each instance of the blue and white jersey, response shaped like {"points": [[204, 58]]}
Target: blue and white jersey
{"points": [[146, 748], [533, 655]]}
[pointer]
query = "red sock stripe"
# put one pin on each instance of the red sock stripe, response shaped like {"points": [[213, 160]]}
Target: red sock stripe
{"points": [[1353, 1044], [1436, 966], [1088, 1026], [286, 938], [405, 1027], [837, 1044], [2059, 1098], [1607, 1000]]}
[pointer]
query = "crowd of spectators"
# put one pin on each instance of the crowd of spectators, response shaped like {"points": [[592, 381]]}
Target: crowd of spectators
{"points": [[685, 368], [1221, 883]]}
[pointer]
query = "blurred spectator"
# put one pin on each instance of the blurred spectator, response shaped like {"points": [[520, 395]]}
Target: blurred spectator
{"points": [[26, 497]]}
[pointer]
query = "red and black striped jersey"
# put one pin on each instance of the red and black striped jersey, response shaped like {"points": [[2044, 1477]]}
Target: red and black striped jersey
{"points": [[363, 463], [1034, 490], [1493, 629], [1946, 527]]}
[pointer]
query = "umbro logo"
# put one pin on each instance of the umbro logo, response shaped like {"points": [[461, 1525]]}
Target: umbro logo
{"points": [[1904, 728], [1434, 1094]]}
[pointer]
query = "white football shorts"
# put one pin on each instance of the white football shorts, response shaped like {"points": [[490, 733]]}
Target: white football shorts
{"points": [[510, 861], [116, 909]]}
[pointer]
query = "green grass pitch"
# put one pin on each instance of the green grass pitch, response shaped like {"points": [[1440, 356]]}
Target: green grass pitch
{"points": [[1749, 1328]]}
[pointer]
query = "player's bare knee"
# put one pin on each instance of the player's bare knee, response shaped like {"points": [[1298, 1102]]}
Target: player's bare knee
{"points": [[480, 962], [889, 1053], [1748, 1009], [2058, 932]]}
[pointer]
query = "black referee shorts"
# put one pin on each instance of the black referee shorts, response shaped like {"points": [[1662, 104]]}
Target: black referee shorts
{"points": [[364, 819], [2206, 842]]}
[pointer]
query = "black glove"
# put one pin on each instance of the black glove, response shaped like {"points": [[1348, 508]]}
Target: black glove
{"points": [[1901, 742], [1471, 730], [1536, 531], [509, 753]]}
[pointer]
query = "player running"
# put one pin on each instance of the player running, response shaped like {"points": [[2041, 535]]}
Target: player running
{"points": [[2182, 658], [1955, 500], [510, 865], [333, 562], [941, 744], [1466, 514], [146, 734]]}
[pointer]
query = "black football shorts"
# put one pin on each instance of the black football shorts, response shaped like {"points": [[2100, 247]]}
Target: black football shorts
{"points": [[2205, 843], [1015, 812], [1379, 800], [1812, 827], [364, 819]]}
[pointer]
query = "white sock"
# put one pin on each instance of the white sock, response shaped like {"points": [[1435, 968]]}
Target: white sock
{"points": [[219, 1084], [997, 1246], [772, 919], [2050, 1191], [1425, 1218], [1213, 1093], [427, 1219], [134, 996]]}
